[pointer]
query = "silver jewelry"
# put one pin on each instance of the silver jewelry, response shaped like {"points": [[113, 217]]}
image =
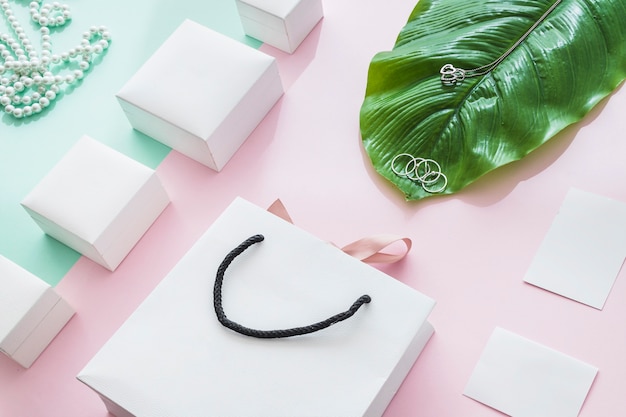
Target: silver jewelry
{"points": [[450, 75], [29, 81], [423, 171]]}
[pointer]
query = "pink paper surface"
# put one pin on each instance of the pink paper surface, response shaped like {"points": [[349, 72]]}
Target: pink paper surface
{"points": [[470, 251]]}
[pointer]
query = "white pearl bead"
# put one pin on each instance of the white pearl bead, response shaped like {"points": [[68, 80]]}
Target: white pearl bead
{"points": [[50, 95], [36, 107], [84, 65], [5, 101], [78, 74], [26, 99], [44, 102], [9, 91], [18, 86], [28, 110], [17, 112], [9, 108]]}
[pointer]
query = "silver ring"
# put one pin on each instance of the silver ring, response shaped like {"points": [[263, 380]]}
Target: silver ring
{"points": [[437, 190], [428, 172], [411, 166], [393, 164]]}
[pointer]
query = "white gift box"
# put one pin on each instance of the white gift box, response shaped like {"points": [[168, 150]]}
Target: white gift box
{"points": [[172, 357], [31, 313], [283, 24], [97, 201], [202, 94]]}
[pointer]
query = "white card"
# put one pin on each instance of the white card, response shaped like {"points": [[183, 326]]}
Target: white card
{"points": [[583, 250], [522, 378]]}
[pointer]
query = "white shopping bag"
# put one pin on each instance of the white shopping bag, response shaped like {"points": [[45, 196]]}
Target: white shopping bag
{"points": [[173, 358]]}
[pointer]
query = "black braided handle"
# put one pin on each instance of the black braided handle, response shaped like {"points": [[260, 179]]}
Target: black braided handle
{"points": [[270, 334]]}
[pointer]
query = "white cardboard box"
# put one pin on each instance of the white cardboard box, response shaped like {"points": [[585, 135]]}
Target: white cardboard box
{"points": [[202, 94], [97, 201], [283, 24], [173, 358], [31, 313]]}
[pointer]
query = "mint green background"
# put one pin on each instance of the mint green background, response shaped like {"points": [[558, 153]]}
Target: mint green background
{"points": [[30, 147]]}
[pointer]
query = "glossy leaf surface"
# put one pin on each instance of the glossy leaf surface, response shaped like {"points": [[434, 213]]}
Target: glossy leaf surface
{"points": [[573, 59]]}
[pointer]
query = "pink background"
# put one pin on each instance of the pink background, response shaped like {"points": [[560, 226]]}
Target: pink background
{"points": [[470, 251]]}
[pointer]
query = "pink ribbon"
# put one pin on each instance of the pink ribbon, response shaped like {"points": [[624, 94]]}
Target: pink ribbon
{"points": [[369, 249]]}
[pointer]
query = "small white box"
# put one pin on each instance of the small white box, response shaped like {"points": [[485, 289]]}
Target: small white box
{"points": [[97, 201], [283, 24], [31, 313], [202, 94], [173, 358]]}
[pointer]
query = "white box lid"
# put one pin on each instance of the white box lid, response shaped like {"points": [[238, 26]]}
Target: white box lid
{"points": [[278, 8], [87, 189]]}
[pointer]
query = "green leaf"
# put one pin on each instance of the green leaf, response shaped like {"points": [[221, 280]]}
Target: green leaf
{"points": [[573, 59]]}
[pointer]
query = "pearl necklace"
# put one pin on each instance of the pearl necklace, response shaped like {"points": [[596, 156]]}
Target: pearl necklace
{"points": [[29, 81]]}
